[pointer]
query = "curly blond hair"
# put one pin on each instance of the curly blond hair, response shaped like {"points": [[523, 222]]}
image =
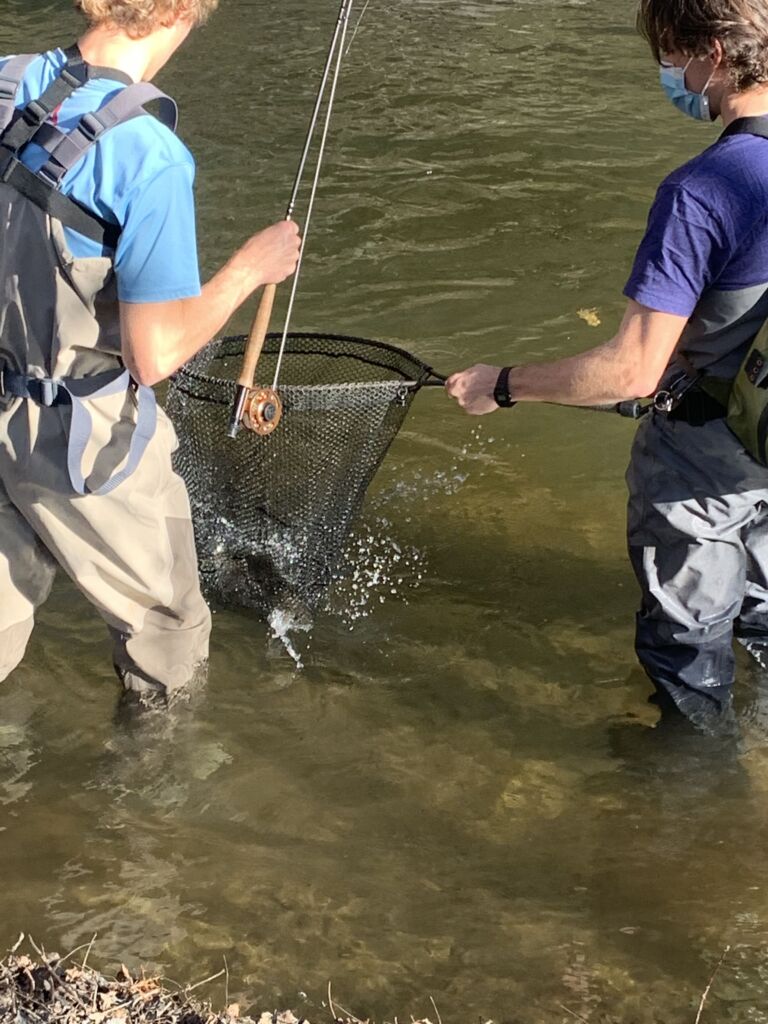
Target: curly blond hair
{"points": [[692, 26], [140, 17]]}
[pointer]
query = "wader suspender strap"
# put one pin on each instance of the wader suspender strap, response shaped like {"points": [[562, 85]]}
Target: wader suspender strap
{"points": [[65, 149], [11, 76]]}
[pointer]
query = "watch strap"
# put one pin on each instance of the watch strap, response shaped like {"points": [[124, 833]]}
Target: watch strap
{"points": [[501, 394]]}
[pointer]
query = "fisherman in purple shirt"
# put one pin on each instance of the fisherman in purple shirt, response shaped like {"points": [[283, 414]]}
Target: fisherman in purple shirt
{"points": [[698, 296]]}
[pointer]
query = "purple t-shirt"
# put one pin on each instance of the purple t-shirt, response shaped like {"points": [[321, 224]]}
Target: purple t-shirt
{"points": [[708, 228]]}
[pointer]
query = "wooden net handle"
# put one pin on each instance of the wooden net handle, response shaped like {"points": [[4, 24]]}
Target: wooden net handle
{"points": [[257, 337]]}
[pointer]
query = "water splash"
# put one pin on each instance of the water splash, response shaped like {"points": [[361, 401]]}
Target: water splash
{"points": [[283, 624], [378, 565]]}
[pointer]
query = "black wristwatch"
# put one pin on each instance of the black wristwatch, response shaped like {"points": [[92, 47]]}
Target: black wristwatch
{"points": [[501, 393]]}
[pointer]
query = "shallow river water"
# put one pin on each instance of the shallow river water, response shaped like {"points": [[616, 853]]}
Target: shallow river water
{"points": [[461, 795]]}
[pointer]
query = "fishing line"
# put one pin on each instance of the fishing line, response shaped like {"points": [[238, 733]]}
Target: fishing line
{"points": [[262, 408], [344, 25], [346, 5], [357, 27]]}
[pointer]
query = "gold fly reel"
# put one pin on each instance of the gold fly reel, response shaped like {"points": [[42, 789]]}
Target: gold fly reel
{"points": [[263, 411]]}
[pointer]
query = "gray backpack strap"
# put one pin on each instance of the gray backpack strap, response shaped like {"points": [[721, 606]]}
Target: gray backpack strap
{"points": [[66, 149], [11, 77]]}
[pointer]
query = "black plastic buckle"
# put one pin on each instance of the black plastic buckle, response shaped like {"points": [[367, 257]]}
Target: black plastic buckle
{"points": [[43, 391], [91, 127], [6, 170], [51, 175], [70, 78], [34, 114]]}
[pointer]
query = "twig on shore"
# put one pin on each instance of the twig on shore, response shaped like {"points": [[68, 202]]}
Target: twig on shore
{"points": [[576, 1016], [57, 979], [705, 994], [213, 977], [350, 1016], [331, 1007], [437, 1012]]}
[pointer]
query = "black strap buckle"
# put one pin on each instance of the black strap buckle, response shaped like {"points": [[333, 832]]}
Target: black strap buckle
{"points": [[48, 174], [73, 79], [7, 169], [43, 391], [35, 113], [90, 126]]}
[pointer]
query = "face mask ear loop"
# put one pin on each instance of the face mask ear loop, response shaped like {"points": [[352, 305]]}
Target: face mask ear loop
{"points": [[709, 82]]}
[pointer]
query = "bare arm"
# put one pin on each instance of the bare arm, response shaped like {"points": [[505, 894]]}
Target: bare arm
{"points": [[159, 337], [630, 365]]}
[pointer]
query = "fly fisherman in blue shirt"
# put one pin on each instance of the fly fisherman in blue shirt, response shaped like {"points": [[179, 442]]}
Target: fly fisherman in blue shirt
{"points": [[698, 295], [100, 298]]}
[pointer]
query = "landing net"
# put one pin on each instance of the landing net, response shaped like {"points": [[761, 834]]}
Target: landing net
{"points": [[273, 514]]}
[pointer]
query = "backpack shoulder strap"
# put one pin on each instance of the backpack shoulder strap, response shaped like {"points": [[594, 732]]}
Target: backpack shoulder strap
{"points": [[65, 149], [11, 76]]}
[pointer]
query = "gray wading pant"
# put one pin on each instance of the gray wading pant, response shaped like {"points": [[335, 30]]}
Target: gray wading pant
{"points": [[130, 552], [698, 540]]}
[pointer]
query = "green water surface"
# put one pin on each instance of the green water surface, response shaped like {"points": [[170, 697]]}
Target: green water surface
{"points": [[460, 796]]}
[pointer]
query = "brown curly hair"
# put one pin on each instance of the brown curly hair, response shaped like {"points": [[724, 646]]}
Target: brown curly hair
{"points": [[692, 26], [139, 17]]}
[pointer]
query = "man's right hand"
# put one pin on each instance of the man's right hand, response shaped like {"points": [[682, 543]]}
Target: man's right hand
{"points": [[272, 254]]}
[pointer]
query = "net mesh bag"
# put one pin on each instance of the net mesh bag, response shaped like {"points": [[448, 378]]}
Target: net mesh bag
{"points": [[273, 514]]}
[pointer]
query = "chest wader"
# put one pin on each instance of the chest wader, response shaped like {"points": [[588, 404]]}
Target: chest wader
{"points": [[698, 509], [86, 481]]}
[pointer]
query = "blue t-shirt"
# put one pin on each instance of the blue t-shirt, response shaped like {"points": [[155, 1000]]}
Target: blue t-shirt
{"points": [[138, 175], [708, 228]]}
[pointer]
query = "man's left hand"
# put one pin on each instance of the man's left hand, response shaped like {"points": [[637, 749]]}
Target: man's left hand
{"points": [[473, 389]]}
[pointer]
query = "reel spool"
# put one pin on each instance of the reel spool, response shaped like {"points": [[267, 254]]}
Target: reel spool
{"points": [[263, 411]]}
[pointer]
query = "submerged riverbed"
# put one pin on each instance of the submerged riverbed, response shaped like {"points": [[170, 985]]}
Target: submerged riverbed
{"points": [[460, 795]]}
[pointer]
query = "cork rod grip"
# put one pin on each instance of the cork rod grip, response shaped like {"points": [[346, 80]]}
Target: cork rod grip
{"points": [[257, 337]]}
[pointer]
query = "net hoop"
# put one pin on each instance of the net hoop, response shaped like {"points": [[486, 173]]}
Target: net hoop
{"points": [[412, 374]]}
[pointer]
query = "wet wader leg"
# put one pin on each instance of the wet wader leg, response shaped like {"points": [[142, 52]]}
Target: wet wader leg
{"points": [[130, 552], [752, 624], [172, 645], [686, 547], [26, 575]]}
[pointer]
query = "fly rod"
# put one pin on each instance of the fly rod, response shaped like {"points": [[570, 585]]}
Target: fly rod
{"points": [[261, 409]]}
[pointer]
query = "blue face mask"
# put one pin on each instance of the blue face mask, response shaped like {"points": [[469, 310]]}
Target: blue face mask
{"points": [[694, 104]]}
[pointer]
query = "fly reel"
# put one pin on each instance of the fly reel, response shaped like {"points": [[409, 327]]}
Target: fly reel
{"points": [[263, 411]]}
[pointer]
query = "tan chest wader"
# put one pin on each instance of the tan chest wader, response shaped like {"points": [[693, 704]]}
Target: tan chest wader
{"points": [[86, 481]]}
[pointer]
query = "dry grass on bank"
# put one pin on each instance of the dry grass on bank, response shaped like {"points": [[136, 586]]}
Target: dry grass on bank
{"points": [[45, 988]]}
